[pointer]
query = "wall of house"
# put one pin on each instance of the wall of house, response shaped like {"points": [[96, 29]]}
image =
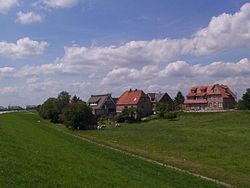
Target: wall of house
{"points": [[196, 107], [168, 101], [146, 106], [229, 103], [215, 102], [121, 107]]}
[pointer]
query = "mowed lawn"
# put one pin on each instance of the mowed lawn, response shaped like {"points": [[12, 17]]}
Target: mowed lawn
{"points": [[216, 145], [34, 154]]}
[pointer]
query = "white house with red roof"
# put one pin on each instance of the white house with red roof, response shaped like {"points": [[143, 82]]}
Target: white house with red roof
{"points": [[211, 97], [135, 98]]}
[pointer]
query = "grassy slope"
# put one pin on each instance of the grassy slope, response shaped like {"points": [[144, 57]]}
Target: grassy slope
{"points": [[213, 144], [33, 154]]}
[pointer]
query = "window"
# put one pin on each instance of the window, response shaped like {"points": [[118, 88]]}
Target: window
{"points": [[210, 104], [220, 104], [215, 104]]}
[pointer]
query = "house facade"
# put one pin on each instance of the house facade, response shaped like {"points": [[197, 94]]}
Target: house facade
{"points": [[211, 97], [102, 105], [162, 98], [135, 98]]}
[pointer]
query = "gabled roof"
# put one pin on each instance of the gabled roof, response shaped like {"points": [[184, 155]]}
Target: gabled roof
{"points": [[156, 97], [99, 100], [217, 89], [130, 97]]}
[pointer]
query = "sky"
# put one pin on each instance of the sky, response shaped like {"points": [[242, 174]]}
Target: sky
{"points": [[94, 47]]}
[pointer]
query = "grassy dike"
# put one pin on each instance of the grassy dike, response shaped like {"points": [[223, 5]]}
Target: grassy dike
{"points": [[34, 154], [216, 145]]}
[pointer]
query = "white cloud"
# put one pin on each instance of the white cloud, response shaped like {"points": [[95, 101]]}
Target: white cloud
{"points": [[215, 69], [6, 72], [6, 5], [60, 3], [24, 47], [28, 17], [138, 64], [216, 37]]}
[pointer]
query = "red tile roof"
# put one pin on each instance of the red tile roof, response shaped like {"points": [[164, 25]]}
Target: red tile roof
{"points": [[222, 90], [130, 97]]}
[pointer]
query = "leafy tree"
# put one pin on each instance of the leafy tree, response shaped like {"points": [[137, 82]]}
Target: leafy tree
{"points": [[161, 109], [244, 103], [79, 116], [49, 111], [64, 96], [63, 100], [131, 114]]}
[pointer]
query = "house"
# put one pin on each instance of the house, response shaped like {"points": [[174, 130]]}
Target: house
{"points": [[135, 98], [102, 104], [211, 97], [162, 98]]}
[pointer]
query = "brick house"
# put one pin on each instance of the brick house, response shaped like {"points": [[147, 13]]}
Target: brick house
{"points": [[134, 98], [211, 97], [102, 104], [162, 98]]}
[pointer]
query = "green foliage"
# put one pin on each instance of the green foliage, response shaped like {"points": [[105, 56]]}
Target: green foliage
{"points": [[75, 115], [244, 103], [49, 110], [119, 118], [62, 101], [79, 116], [162, 109], [170, 116], [131, 114], [179, 100]]}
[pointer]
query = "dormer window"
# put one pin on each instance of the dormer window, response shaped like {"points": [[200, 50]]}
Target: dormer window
{"points": [[193, 90]]}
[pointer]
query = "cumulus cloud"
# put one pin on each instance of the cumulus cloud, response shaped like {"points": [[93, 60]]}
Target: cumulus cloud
{"points": [[59, 3], [6, 72], [216, 37], [28, 17], [149, 65], [6, 5], [179, 74], [24, 47]]}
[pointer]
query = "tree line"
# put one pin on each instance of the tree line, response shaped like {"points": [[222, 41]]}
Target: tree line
{"points": [[72, 112]]}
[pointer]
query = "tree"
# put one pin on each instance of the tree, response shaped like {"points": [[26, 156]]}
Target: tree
{"points": [[63, 99], [75, 99], [161, 109], [49, 111], [131, 114], [79, 116], [244, 103], [179, 100]]}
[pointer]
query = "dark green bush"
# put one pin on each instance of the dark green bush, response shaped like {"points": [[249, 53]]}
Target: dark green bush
{"points": [[170, 116], [79, 116]]}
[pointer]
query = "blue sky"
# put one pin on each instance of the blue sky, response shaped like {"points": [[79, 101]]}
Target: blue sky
{"points": [[93, 46]]}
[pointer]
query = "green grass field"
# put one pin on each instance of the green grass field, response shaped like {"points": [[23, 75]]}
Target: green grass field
{"points": [[35, 154], [216, 145]]}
